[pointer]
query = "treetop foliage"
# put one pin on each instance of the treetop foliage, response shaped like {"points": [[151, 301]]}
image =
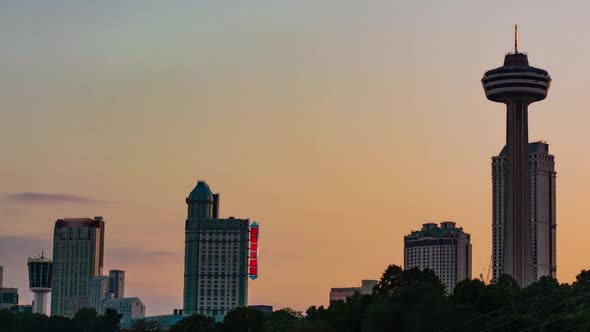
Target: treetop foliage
{"points": [[403, 300]]}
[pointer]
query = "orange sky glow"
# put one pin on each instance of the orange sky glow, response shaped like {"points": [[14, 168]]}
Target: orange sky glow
{"points": [[339, 126]]}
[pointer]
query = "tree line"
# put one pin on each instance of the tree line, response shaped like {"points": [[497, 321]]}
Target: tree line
{"points": [[403, 300]]}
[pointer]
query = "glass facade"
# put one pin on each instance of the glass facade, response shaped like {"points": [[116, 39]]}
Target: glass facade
{"points": [[77, 257]]}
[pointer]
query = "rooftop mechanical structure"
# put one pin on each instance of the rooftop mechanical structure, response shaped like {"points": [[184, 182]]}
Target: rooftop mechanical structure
{"points": [[40, 273], [517, 85]]}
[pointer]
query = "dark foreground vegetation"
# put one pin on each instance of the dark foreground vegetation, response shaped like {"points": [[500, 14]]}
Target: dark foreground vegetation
{"points": [[410, 300]]}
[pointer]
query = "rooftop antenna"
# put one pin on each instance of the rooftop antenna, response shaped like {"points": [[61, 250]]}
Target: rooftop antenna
{"points": [[515, 39]]}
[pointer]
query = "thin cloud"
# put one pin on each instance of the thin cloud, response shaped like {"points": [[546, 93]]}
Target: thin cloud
{"points": [[50, 198], [11, 212]]}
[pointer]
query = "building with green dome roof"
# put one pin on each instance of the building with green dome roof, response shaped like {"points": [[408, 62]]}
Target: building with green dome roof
{"points": [[216, 257]]}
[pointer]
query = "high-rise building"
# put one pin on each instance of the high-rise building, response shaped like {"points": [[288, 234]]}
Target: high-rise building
{"points": [[98, 288], [40, 273], [517, 85], [342, 293], [117, 283], [542, 202], [8, 297], [130, 307], [1, 276], [446, 250], [216, 253], [78, 250]]}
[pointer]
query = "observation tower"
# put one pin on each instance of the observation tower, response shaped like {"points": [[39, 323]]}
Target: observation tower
{"points": [[517, 85], [40, 273]]}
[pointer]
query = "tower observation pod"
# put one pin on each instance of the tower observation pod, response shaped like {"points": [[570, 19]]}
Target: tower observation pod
{"points": [[517, 85], [40, 273]]}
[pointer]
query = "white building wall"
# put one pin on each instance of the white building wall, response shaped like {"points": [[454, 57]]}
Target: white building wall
{"points": [[219, 264], [130, 307]]}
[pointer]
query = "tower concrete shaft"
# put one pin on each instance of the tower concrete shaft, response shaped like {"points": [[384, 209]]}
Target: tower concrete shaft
{"points": [[40, 302], [517, 257], [542, 190], [517, 85]]}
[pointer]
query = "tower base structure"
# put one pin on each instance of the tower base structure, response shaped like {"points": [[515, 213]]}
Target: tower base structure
{"points": [[40, 302]]}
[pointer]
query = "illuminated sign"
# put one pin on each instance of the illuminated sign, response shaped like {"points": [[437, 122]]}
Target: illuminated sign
{"points": [[253, 257]]}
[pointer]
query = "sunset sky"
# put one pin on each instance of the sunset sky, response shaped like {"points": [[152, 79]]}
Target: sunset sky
{"points": [[339, 126]]}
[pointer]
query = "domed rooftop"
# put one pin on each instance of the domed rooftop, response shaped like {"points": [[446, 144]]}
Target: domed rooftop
{"points": [[201, 193]]}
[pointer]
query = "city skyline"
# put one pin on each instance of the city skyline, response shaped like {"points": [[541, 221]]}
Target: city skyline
{"points": [[107, 129]]}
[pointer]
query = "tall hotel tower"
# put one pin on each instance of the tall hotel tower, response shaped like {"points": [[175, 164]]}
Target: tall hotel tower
{"points": [[216, 257], [78, 250], [542, 191], [517, 85], [446, 250]]}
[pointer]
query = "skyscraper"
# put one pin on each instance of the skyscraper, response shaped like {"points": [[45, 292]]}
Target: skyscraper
{"points": [[117, 283], [216, 252], [542, 201], [78, 250], [517, 85], [446, 250], [98, 288], [40, 274]]}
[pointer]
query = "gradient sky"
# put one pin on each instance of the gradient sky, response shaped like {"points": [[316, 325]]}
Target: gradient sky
{"points": [[339, 126]]}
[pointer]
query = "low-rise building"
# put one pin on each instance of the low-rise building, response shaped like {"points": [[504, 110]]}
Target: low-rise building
{"points": [[8, 298], [130, 307], [21, 308], [267, 309], [342, 293]]}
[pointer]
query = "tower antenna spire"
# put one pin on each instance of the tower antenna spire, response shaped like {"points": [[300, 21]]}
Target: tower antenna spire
{"points": [[515, 39]]}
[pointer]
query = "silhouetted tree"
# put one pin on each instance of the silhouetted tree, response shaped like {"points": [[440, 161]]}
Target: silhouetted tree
{"points": [[390, 281], [109, 321], [410, 300], [394, 279], [194, 323], [243, 319], [146, 326], [582, 279], [84, 319], [468, 292], [283, 320], [6, 318]]}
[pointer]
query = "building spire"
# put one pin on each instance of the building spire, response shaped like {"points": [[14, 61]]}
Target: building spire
{"points": [[515, 39]]}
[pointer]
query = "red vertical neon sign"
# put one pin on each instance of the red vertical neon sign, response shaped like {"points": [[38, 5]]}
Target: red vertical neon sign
{"points": [[253, 257]]}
